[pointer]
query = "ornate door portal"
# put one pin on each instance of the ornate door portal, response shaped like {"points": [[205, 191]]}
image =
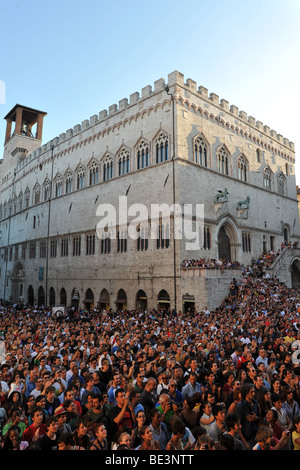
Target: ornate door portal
{"points": [[224, 245]]}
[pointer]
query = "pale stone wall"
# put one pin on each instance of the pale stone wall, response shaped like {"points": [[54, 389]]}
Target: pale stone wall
{"points": [[124, 126]]}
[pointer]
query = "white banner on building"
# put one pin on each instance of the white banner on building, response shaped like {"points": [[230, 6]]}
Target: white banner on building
{"points": [[58, 311], [2, 352]]}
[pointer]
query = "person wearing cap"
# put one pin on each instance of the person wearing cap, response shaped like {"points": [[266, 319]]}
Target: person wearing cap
{"points": [[61, 415]]}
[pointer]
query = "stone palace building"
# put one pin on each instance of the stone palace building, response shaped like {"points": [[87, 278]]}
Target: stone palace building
{"points": [[173, 143]]}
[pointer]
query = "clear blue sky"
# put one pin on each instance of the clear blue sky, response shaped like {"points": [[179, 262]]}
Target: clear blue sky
{"points": [[73, 58]]}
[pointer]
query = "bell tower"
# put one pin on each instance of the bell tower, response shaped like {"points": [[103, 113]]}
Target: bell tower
{"points": [[24, 129]]}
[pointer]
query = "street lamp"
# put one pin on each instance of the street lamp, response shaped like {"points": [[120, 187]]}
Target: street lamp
{"points": [[48, 229], [174, 193]]}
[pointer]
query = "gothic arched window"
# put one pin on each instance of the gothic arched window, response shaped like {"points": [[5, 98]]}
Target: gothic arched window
{"points": [[27, 198], [69, 181], [200, 151], [36, 194], [242, 168], [281, 184], [20, 201], [162, 148], [80, 177], [107, 169], [47, 190], [142, 155], [58, 186], [94, 173], [124, 162], [223, 161], [267, 178]]}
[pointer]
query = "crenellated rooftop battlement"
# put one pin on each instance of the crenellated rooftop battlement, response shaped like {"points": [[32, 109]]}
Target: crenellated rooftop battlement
{"points": [[174, 79], [191, 85]]}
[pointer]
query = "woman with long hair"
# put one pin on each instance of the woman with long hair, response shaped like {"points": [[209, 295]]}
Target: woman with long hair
{"points": [[136, 438], [237, 397], [80, 435], [100, 433], [272, 420], [264, 402], [189, 415], [148, 443]]}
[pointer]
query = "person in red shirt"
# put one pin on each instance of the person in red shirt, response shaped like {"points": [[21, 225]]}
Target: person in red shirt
{"points": [[37, 429]]}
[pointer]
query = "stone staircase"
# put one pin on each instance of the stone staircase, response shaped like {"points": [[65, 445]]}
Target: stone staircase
{"points": [[286, 267]]}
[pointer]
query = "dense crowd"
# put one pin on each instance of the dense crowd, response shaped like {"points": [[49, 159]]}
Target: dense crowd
{"points": [[264, 261], [209, 263], [226, 379]]}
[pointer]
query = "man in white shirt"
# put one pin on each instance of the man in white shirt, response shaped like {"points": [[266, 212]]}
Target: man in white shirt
{"points": [[262, 357], [191, 387]]}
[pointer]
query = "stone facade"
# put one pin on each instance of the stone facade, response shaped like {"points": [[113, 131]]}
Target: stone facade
{"points": [[175, 145]]}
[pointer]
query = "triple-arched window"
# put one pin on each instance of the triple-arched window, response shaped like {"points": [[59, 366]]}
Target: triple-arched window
{"points": [[80, 177], [281, 184], [223, 160], [142, 155], [36, 194], [94, 170], [162, 148], [242, 168], [124, 162], [200, 151], [108, 169], [58, 186], [69, 181], [267, 178]]}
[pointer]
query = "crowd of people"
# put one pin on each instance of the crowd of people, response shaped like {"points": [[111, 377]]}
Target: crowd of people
{"points": [[264, 261], [227, 379], [210, 263]]}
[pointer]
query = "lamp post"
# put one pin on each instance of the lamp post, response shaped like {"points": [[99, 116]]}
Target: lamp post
{"points": [[48, 229], [8, 234], [174, 194]]}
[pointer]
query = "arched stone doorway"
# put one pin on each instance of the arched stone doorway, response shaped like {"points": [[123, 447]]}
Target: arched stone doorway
{"points": [[224, 245], [75, 298], [227, 241], [52, 297], [286, 233], [295, 273], [30, 296], [89, 299], [141, 300], [163, 300], [104, 301], [17, 282], [41, 296], [63, 297], [188, 302], [121, 301]]}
